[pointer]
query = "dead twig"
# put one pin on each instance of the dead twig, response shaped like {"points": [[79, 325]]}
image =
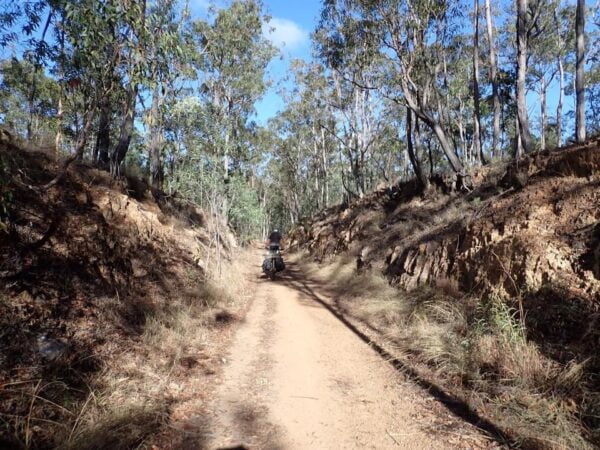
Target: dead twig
{"points": [[304, 396], [28, 423], [393, 438]]}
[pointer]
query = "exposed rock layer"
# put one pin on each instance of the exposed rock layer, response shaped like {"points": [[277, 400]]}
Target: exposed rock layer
{"points": [[536, 226]]}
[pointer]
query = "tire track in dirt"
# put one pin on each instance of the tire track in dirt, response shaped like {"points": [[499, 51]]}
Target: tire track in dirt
{"points": [[297, 378], [240, 413]]}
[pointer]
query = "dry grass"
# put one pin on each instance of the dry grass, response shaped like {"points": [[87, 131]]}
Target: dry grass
{"points": [[476, 347], [142, 380], [118, 290], [145, 382]]}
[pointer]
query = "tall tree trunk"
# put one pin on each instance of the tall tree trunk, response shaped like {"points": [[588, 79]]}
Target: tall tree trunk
{"points": [[417, 141], [477, 118], [518, 140], [493, 74], [414, 158], [561, 78], [225, 206], [325, 169], [59, 124], [79, 147], [126, 133], [544, 112], [61, 93], [579, 75], [405, 161], [33, 92], [461, 133], [559, 107], [128, 123], [431, 166], [101, 150], [434, 125], [442, 138], [522, 49], [155, 147]]}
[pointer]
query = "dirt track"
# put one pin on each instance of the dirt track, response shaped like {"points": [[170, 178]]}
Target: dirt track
{"points": [[297, 377]]}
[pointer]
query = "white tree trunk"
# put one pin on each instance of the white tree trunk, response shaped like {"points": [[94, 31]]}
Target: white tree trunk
{"points": [[580, 72], [544, 112], [478, 149], [522, 50], [493, 74], [559, 107]]}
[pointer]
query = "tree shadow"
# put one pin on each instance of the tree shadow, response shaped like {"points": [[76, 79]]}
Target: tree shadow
{"points": [[565, 328], [297, 280], [247, 420], [75, 276]]}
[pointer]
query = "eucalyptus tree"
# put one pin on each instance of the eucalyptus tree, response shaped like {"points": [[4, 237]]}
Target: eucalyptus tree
{"points": [[301, 144], [544, 46], [478, 149], [15, 89], [493, 77], [99, 48], [413, 39], [27, 25], [522, 49], [345, 45], [580, 72], [132, 38], [234, 57], [593, 75], [564, 25], [310, 117], [170, 56], [206, 117]]}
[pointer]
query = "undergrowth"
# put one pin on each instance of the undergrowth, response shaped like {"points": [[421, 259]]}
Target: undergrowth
{"points": [[5, 193], [127, 402], [478, 348]]}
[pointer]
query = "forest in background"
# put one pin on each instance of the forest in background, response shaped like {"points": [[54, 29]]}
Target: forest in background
{"points": [[396, 90]]}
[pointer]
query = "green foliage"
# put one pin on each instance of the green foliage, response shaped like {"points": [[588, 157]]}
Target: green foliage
{"points": [[213, 143], [246, 215], [16, 80], [498, 318]]}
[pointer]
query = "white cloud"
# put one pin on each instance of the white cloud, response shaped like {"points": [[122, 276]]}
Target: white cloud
{"points": [[284, 33]]}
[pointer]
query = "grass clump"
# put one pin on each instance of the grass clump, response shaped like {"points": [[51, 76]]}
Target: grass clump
{"points": [[159, 365], [479, 349]]}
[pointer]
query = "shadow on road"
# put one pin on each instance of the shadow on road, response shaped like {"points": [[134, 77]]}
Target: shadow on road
{"points": [[294, 278]]}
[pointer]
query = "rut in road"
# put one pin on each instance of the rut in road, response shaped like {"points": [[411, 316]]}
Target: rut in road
{"points": [[298, 378]]}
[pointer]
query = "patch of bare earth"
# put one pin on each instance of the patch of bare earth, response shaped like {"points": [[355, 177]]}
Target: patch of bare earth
{"points": [[300, 377], [496, 291]]}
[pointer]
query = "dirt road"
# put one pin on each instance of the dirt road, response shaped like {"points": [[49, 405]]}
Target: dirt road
{"points": [[297, 378]]}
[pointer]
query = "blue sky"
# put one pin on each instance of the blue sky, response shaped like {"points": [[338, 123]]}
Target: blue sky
{"points": [[292, 21]]}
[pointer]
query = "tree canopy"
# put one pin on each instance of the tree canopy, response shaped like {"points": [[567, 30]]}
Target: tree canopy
{"points": [[395, 90]]}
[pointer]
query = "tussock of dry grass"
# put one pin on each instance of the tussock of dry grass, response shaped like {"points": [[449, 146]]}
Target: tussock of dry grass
{"points": [[141, 385], [478, 347], [129, 402]]}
